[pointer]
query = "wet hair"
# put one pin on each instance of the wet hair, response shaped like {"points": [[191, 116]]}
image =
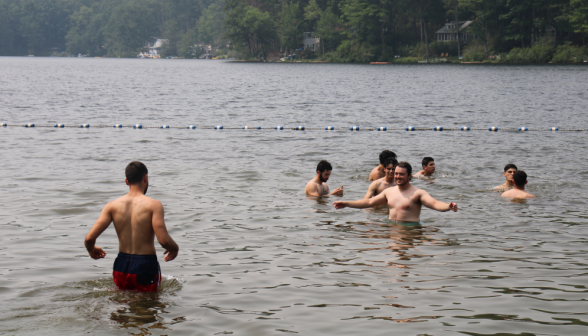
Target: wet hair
{"points": [[323, 165], [135, 172], [406, 166], [390, 160], [426, 160], [519, 177], [386, 155], [509, 166]]}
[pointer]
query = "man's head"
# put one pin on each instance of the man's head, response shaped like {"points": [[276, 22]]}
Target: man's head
{"points": [[385, 155], [520, 178], [323, 170], [389, 166], [509, 170], [402, 173], [136, 173], [428, 165]]}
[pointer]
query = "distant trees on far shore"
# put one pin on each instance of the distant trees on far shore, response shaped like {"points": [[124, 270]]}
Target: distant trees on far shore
{"points": [[510, 31]]}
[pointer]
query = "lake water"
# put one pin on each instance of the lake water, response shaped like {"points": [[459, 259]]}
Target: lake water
{"points": [[256, 256]]}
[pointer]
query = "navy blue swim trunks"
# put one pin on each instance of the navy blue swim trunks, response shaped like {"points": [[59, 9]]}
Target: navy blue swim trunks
{"points": [[137, 272]]}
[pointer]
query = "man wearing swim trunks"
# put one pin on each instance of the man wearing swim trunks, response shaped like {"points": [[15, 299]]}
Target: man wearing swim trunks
{"points": [[385, 182], [317, 187], [509, 171], [379, 172], [137, 220], [405, 200]]}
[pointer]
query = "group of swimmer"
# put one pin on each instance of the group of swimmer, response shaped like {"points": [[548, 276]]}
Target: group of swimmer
{"points": [[138, 219], [391, 185]]}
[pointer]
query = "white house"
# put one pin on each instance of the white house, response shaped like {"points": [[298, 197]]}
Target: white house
{"points": [[155, 49], [449, 32], [311, 41]]}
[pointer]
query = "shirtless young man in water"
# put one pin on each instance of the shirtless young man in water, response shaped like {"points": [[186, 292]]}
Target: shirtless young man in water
{"points": [[317, 187], [137, 219], [385, 182], [380, 171], [520, 179], [509, 171], [428, 167], [405, 201]]}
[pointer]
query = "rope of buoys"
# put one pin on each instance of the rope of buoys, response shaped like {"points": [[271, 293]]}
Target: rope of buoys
{"points": [[303, 128]]}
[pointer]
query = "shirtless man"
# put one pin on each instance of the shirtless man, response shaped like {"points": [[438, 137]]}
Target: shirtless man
{"points": [[137, 220], [379, 172], [405, 200], [520, 179], [509, 170], [428, 167], [385, 182], [317, 187]]}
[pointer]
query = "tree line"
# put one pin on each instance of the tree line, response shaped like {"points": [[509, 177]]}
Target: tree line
{"points": [[349, 30]]}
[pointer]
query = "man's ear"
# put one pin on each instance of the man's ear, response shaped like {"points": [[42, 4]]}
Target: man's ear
{"points": [[145, 179], [127, 182]]}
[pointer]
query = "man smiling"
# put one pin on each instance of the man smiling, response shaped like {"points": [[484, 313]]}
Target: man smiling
{"points": [[405, 200]]}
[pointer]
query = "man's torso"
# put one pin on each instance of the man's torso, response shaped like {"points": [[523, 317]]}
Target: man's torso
{"points": [[404, 205], [132, 218]]}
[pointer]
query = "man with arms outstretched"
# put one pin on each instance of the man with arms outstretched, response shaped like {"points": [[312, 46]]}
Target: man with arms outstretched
{"points": [[385, 182], [137, 220], [379, 172], [518, 192], [317, 187], [405, 200]]}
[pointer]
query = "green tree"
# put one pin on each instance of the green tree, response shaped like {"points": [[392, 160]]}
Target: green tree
{"points": [[579, 16], [210, 24], [289, 25], [129, 26]]}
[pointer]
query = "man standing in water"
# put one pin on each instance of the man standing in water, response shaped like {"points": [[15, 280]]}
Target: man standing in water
{"points": [[385, 182], [509, 170], [317, 187], [379, 172], [137, 219], [520, 179], [428, 167], [405, 200]]}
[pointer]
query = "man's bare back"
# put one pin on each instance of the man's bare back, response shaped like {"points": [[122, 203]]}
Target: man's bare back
{"points": [[377, 173], [517, 193]]}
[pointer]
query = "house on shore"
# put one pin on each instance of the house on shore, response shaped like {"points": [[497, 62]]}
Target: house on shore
{"points": [[450, 30], [157, 47], [311, 41]]}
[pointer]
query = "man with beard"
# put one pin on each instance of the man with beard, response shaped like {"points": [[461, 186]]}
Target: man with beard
{"points": [[137, 219], [385, 182], [317, 187], [405, 200]]}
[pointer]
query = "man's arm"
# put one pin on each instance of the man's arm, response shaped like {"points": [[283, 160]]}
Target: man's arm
{"points": [[338, 191], [371, 190], [312, 189], [101, 224], [362, 203], [432, 203], [164, 239]]}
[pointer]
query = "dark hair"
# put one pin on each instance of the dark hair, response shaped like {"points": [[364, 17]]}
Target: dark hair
{"points": [[510, 165], [519, 177], [323, 165], [386, 155], [406, 166], [426, 160], [390, 160], [135, 172]]}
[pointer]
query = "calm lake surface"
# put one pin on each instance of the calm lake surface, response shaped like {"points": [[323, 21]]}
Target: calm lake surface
{"points": [[256, 256]]}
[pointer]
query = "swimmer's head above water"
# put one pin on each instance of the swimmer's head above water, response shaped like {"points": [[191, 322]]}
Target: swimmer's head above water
{"points": [[136, 174], [402, 173], [324, 169], [509, 170]]}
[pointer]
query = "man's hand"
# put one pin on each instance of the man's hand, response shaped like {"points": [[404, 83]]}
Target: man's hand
{"points": [[453, 206], [338, 191], [170, 255], [339, 204], [97, 253]]}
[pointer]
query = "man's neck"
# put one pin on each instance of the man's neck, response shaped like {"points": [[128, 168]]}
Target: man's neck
{"points": [[404, 187], [519, 188], [317, 180], [389, 180]]}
